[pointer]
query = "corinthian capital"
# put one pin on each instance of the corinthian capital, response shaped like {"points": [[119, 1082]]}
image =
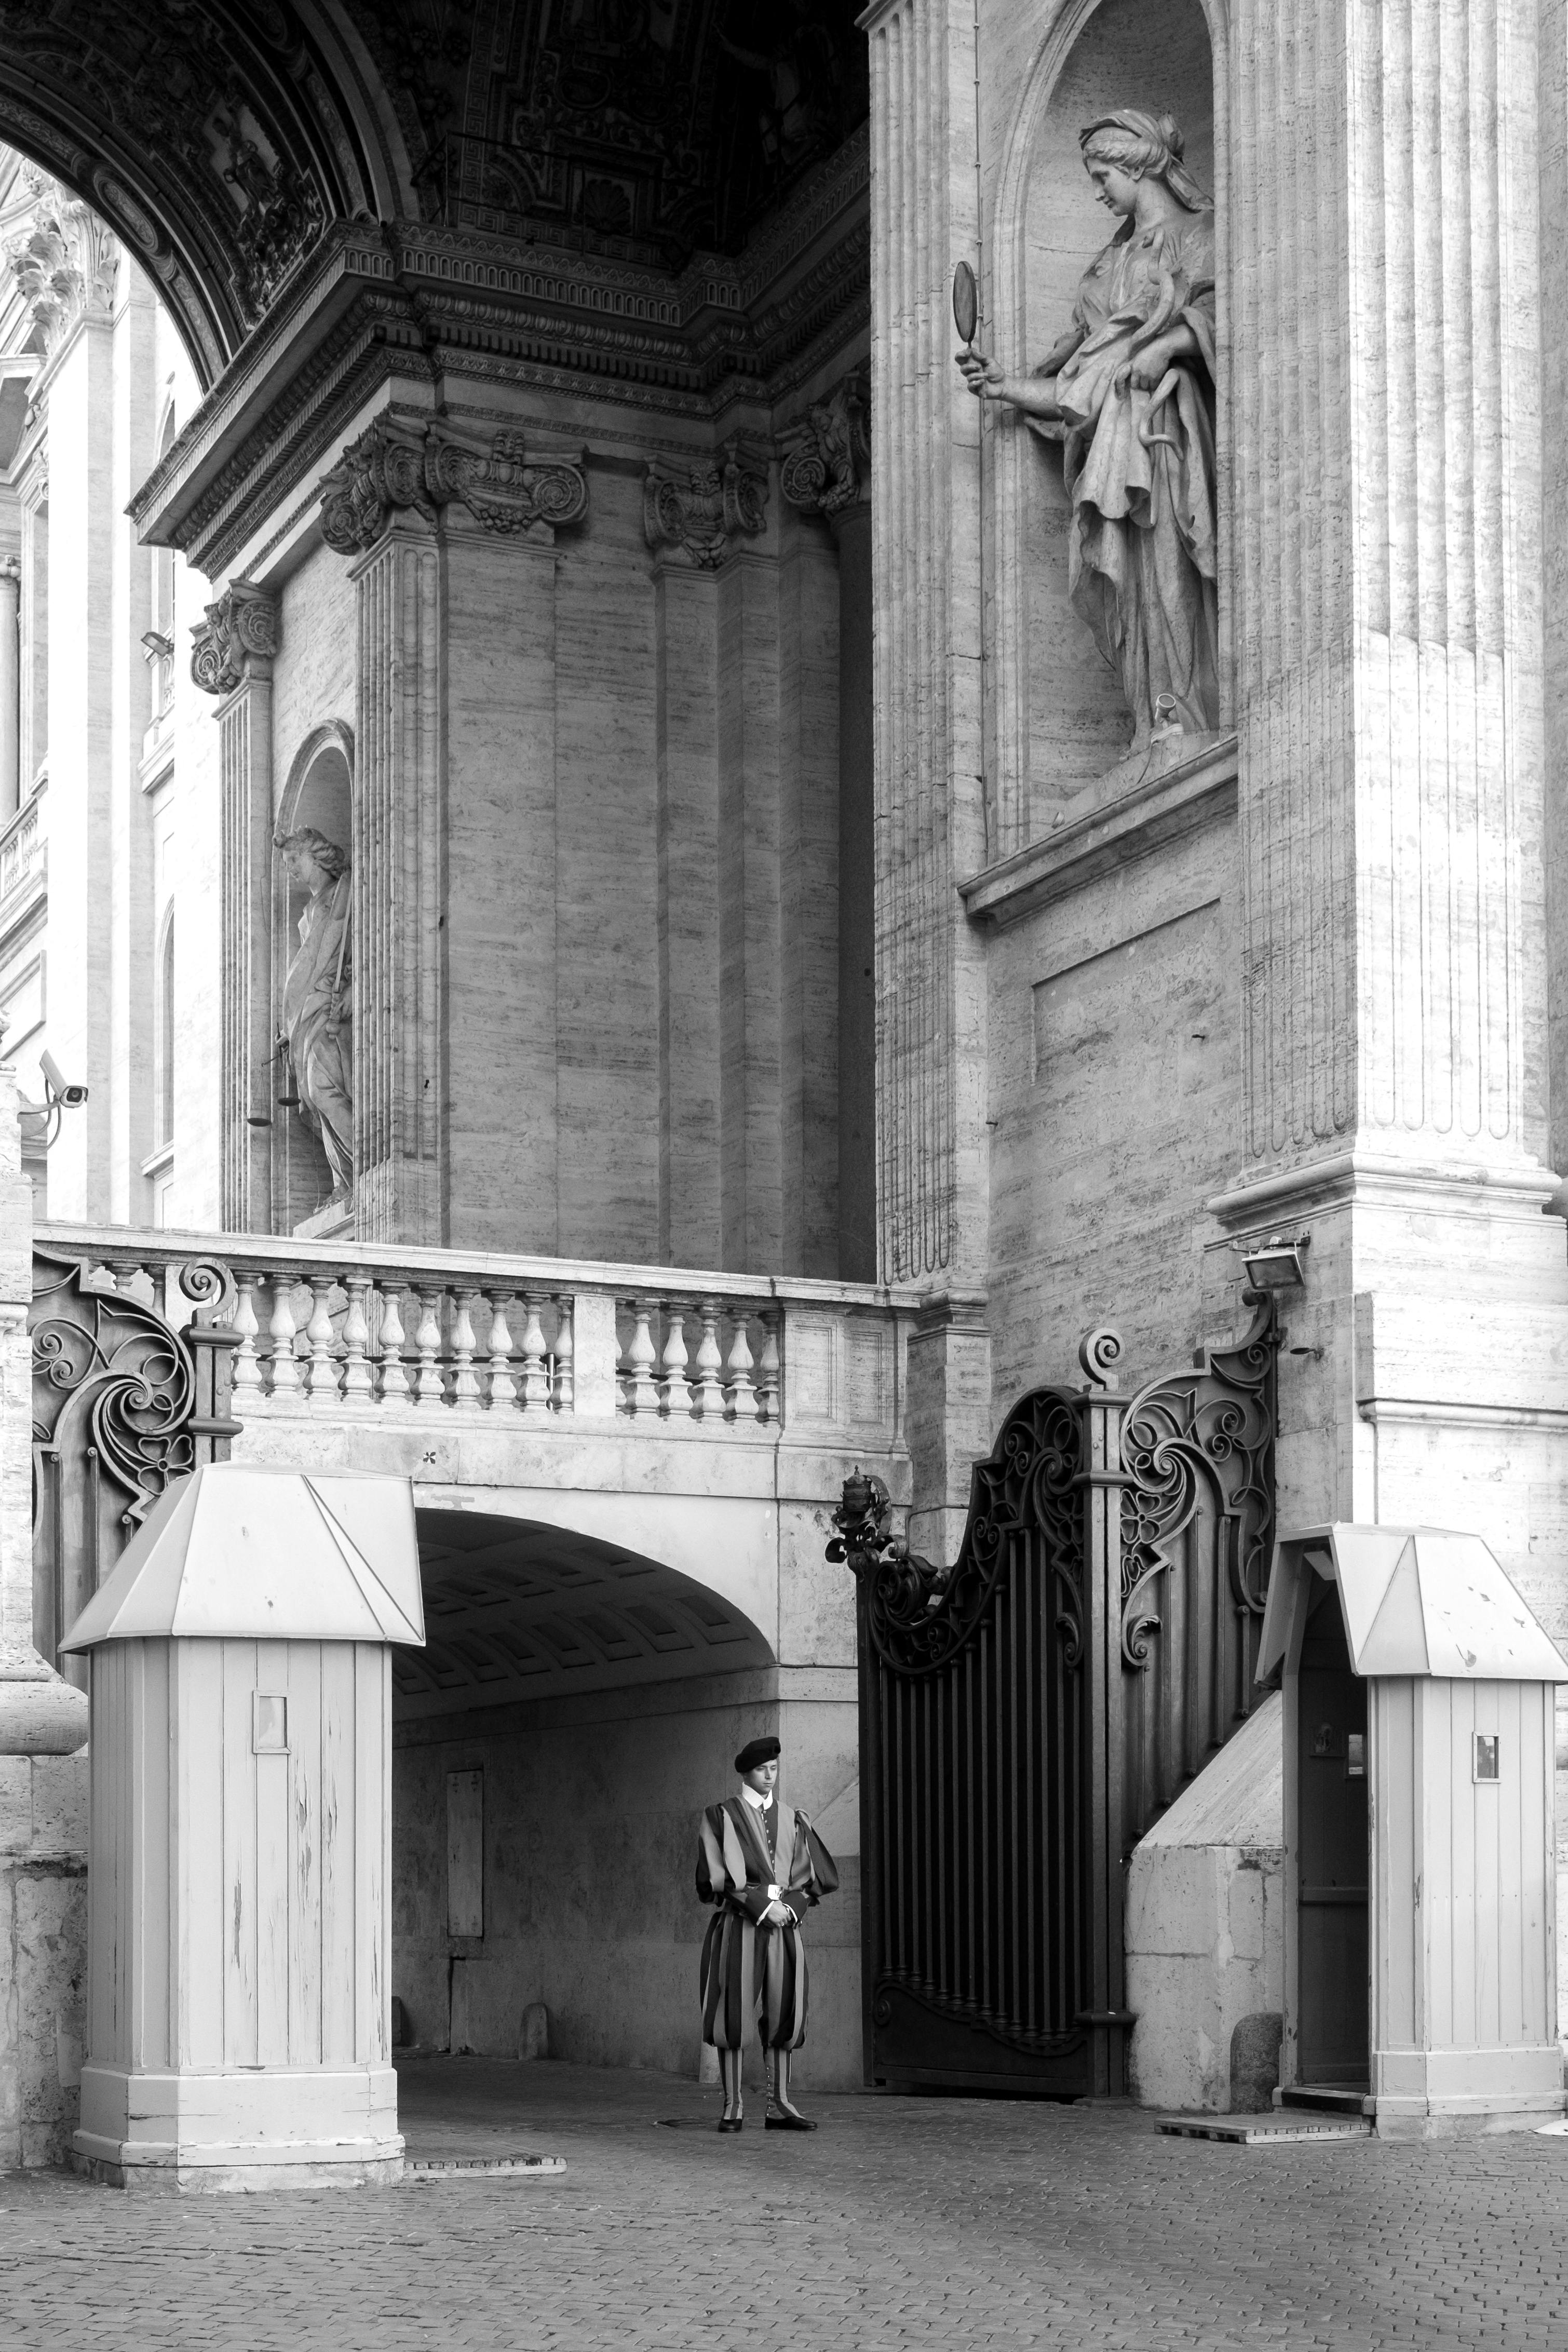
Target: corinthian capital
{"points": [[702, 511], [500, 486], [65, 263], [419, 465], [240, 631], [828, 456], [379, 476]]}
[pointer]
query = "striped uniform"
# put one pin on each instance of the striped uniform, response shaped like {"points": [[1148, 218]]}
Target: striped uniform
{"points": [[756, 1974]]}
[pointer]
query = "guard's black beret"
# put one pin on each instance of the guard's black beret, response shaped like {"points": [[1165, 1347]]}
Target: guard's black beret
{"points": [[756, 1752]]}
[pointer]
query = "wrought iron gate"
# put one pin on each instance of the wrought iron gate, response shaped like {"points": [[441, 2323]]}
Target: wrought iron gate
{"points": [[1027, 1714], [121, 1403]]}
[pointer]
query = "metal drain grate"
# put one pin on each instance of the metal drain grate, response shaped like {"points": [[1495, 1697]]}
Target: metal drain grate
{"points": [[439, 2168]]}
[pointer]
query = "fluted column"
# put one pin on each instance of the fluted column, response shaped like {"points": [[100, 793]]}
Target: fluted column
{"points": [[231, 659], [930, 813], [1387, 610]]}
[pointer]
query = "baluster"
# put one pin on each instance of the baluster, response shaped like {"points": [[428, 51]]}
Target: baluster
{"points": [[535, 1379], [127, 1273], [282, 1330], [739, 1391], [674, 1390], [638, 1392], [706, 1395], [564, 1345], [464, 1380], [245, 1378], [356, 1338], [391, 1371], [428, 1391], [503, 1386], [321, 1372], [768, 1369]]}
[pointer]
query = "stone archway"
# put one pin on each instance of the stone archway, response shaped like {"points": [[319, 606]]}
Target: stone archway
{"points": [[577, 1704], [219, 143]]}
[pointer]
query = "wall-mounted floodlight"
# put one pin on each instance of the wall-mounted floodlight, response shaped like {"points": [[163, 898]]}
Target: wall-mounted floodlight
{"points": [[1275, 1264]]}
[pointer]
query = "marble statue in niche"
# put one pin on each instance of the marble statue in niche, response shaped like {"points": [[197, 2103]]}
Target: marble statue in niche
{"points": [[1128, 390], [317, 998]]}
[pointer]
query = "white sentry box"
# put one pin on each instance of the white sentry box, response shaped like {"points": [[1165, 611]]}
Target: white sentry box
{"points": [[238, 1895], [1420, 1853]]}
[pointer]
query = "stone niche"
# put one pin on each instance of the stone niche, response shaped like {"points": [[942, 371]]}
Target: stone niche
{"points": [[319, 790], [1063, 725]]}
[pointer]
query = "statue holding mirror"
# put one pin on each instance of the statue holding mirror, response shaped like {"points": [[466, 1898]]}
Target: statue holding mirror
{"points": [[1128, 391], [317, 997]]}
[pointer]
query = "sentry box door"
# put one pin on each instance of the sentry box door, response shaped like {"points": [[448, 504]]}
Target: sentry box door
{"points": [[1420, 1962], [1330, 1841]]}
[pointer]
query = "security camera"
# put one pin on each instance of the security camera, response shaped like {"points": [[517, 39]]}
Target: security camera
{"points": [[60, 1090]]}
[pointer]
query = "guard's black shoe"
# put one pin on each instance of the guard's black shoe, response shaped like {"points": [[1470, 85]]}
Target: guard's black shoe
{"points": [[730, 2123], [787, 2120]]}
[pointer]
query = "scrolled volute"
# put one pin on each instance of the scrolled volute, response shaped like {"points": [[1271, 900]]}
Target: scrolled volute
{"points": [[700, 512], [378, 476], [826, 457], [238, 635], [401, 467], [503, 489]]}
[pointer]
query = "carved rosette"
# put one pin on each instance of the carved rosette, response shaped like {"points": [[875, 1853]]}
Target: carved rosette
{"points": [[700, 513], [827, 467], [240, 631], [402, 467]]}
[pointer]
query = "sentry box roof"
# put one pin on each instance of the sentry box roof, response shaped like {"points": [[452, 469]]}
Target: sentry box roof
{"points": [[1416, 1600], [269, 1556]]}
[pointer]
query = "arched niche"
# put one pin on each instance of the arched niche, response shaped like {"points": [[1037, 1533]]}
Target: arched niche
{"points": [[1061, 722], [319, 790]]}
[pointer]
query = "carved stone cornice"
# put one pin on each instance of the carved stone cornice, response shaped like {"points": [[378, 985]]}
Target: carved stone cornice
{"points": [[827, 466], [701, 511], [409, 466], [412, 303], [66, 263], [237, 640]]}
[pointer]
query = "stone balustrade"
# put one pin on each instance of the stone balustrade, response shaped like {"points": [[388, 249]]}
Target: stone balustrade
{"points": [[366, 1330]]}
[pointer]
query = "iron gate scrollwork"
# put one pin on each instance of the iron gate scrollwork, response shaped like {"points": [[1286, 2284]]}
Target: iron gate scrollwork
{"points": [[1028, 1713], [122, 1403]]}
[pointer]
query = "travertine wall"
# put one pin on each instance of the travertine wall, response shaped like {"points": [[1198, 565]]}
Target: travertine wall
{"points": [[597, 792], [1115, 1077]]}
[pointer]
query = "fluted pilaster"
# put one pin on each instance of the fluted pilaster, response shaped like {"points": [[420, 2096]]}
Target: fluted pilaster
{"points": [[1386, 505], [929, 818], [397, 903]]}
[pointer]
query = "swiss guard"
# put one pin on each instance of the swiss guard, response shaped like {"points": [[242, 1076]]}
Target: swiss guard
{"points": [[762, 1866]]}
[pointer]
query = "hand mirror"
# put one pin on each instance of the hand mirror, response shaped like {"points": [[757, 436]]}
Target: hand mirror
{"points": [[965, 303]]}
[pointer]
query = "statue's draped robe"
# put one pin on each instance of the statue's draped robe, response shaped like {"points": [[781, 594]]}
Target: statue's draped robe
{"points": [[754, 1974], [1142, 566], [316, 1023]]}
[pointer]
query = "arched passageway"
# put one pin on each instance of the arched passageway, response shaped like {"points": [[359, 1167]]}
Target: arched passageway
{"points": [[575, 1707]]}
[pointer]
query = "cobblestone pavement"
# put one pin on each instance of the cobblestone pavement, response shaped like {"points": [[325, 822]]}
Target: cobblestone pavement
{"points": [[900, 2222]]}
